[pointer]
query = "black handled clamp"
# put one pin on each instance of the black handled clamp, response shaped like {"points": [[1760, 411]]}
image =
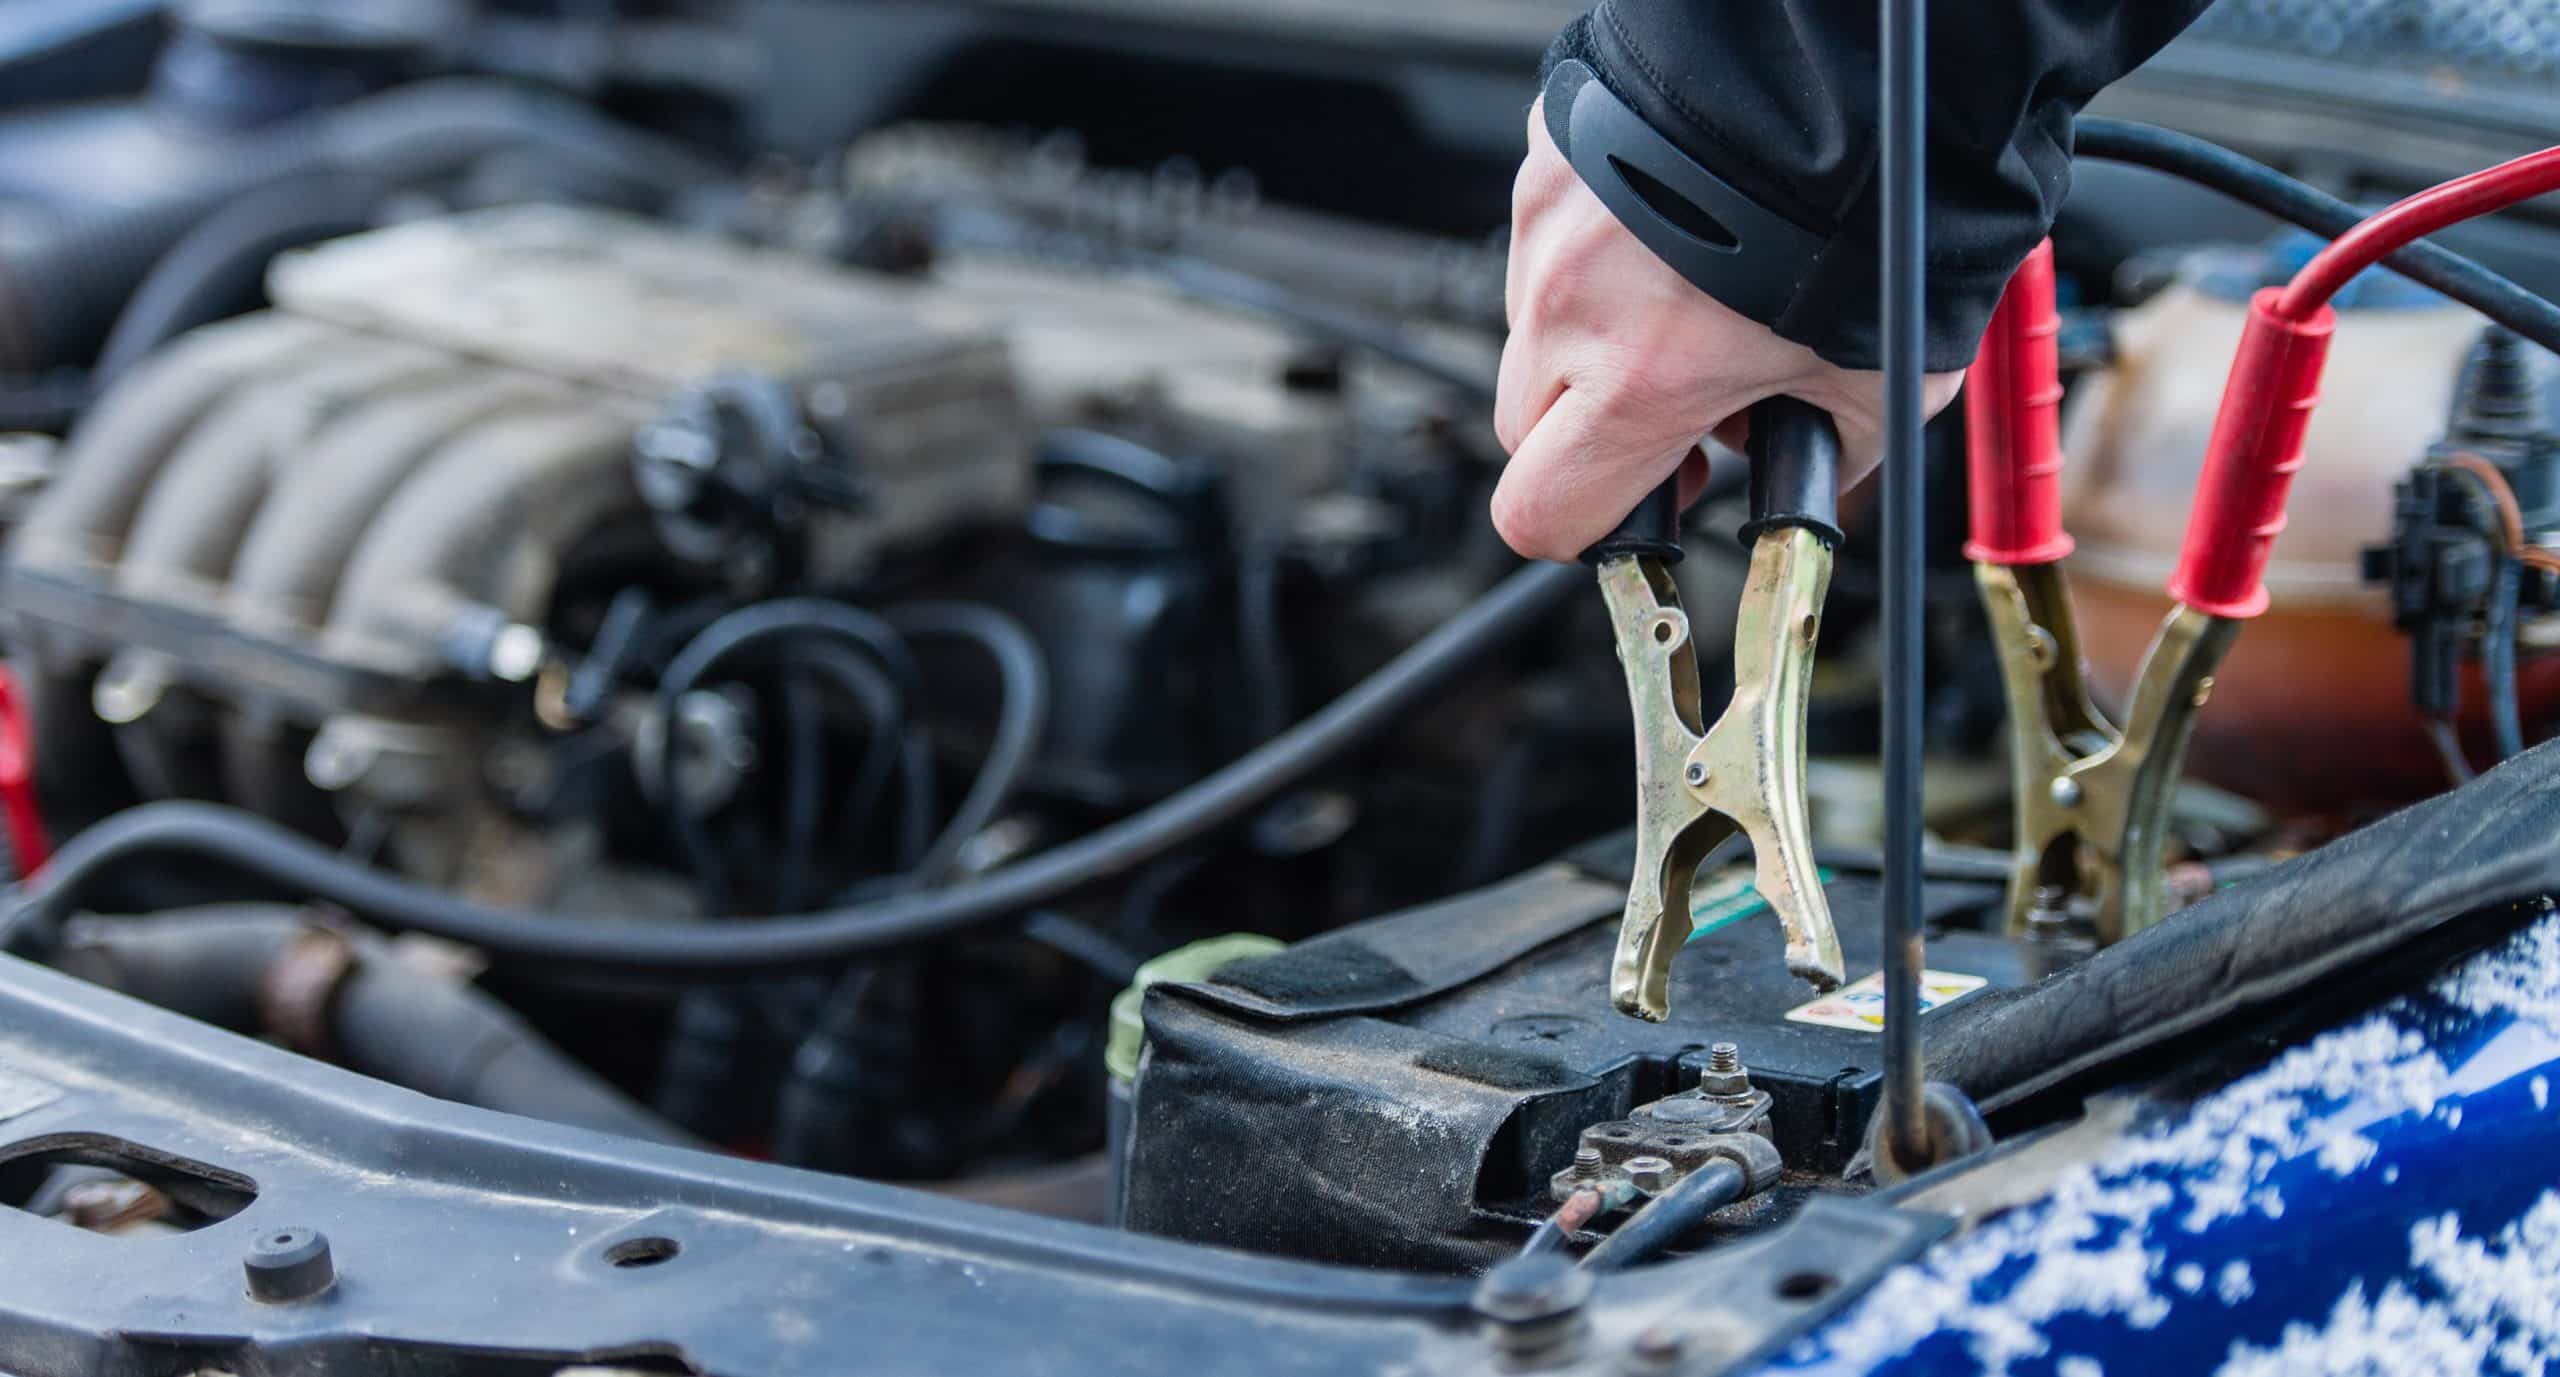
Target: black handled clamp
{"points": [[1695, 786]]}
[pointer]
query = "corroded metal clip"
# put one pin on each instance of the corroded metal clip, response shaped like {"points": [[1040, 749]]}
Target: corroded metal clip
{"points": [[2093, 801], [1695, 786]]}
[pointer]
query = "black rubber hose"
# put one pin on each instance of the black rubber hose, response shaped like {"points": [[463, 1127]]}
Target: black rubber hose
{"points": [[1668, 1218], [766, 623], [915, 811], [2498, 658], [1502, 804], [1262, 646], [803, 785], [61, 292], [1020, 720], [878, 702], [1133, 466], [2442, 734], [803, 1118], [218, 266], [388, 1019], [560, 944], [767, 627], [1110, 963], [433, 128], [831, 1093], [1332, 324], [1147, 473], [2261, 187], [888, 755], [47, 402]]}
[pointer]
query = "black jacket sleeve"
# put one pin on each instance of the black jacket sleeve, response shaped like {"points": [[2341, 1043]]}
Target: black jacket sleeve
{"points": [[1779, 98]]}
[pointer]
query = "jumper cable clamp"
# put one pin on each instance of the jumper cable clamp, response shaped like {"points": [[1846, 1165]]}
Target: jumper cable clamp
{"points": [[1697, 785]]}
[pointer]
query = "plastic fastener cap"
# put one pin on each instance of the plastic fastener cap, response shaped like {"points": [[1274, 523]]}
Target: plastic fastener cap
{"points": [[288, 1265]]}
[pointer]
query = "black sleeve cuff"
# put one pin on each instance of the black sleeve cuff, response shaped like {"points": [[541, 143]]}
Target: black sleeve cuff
{"points": [[1831, 304]]}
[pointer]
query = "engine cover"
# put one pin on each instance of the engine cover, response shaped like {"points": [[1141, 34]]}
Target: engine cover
{"points": [[351, 519]]}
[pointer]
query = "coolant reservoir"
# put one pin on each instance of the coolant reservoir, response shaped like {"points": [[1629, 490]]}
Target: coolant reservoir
{"points": [[2311, 711]]}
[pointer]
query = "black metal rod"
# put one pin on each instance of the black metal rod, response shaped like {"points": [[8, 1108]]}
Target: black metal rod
{"points": [[1905, 46]]}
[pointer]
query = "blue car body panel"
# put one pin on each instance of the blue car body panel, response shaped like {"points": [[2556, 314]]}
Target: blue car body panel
{"points": [[2380, 1199]]}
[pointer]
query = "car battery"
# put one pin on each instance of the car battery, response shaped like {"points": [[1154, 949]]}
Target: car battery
{"points": [[1399, 1092]]}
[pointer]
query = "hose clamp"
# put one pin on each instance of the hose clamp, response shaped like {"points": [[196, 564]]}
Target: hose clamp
{"points": [[299, 989]]}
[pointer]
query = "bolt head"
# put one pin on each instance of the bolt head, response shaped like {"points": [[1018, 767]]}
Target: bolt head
{"points": [[1652, 1175], [1696, 775], [1659, 1345], [515, 653], [2066, 792], [1527, 1290], [681, 448], [334, 763], [128, 690], [1724, 1085], [2042, 648]]}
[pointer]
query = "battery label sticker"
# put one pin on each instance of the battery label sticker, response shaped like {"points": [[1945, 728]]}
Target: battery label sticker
{"points": [[1727, 897], [1859, 1005]]}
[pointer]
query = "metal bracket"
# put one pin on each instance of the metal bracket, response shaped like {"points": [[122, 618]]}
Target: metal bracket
{"points": [[461, 1238], [1732, 1309]]}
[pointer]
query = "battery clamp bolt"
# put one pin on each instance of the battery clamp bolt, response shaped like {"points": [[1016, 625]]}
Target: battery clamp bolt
{"points": [[1649, 1174], [1725, 1077], [1532, 1308], [1660, 1348]]}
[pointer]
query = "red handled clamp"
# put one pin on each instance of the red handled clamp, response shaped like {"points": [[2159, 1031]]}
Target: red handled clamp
{"points": [[2093, 798], [20, 822]]}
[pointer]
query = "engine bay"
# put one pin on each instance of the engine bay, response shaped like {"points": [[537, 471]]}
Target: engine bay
{"points": [[944, 633]]}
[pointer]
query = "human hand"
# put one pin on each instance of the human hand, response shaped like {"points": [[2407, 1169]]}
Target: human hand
{"points": [[1617, 367]]}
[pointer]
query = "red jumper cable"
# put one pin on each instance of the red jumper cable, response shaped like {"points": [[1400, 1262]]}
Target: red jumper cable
{"points": [[2093, 798]]}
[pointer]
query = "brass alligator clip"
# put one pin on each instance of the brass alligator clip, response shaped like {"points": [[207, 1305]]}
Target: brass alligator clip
{"points": [[2093, 801], [1696, 785]]}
